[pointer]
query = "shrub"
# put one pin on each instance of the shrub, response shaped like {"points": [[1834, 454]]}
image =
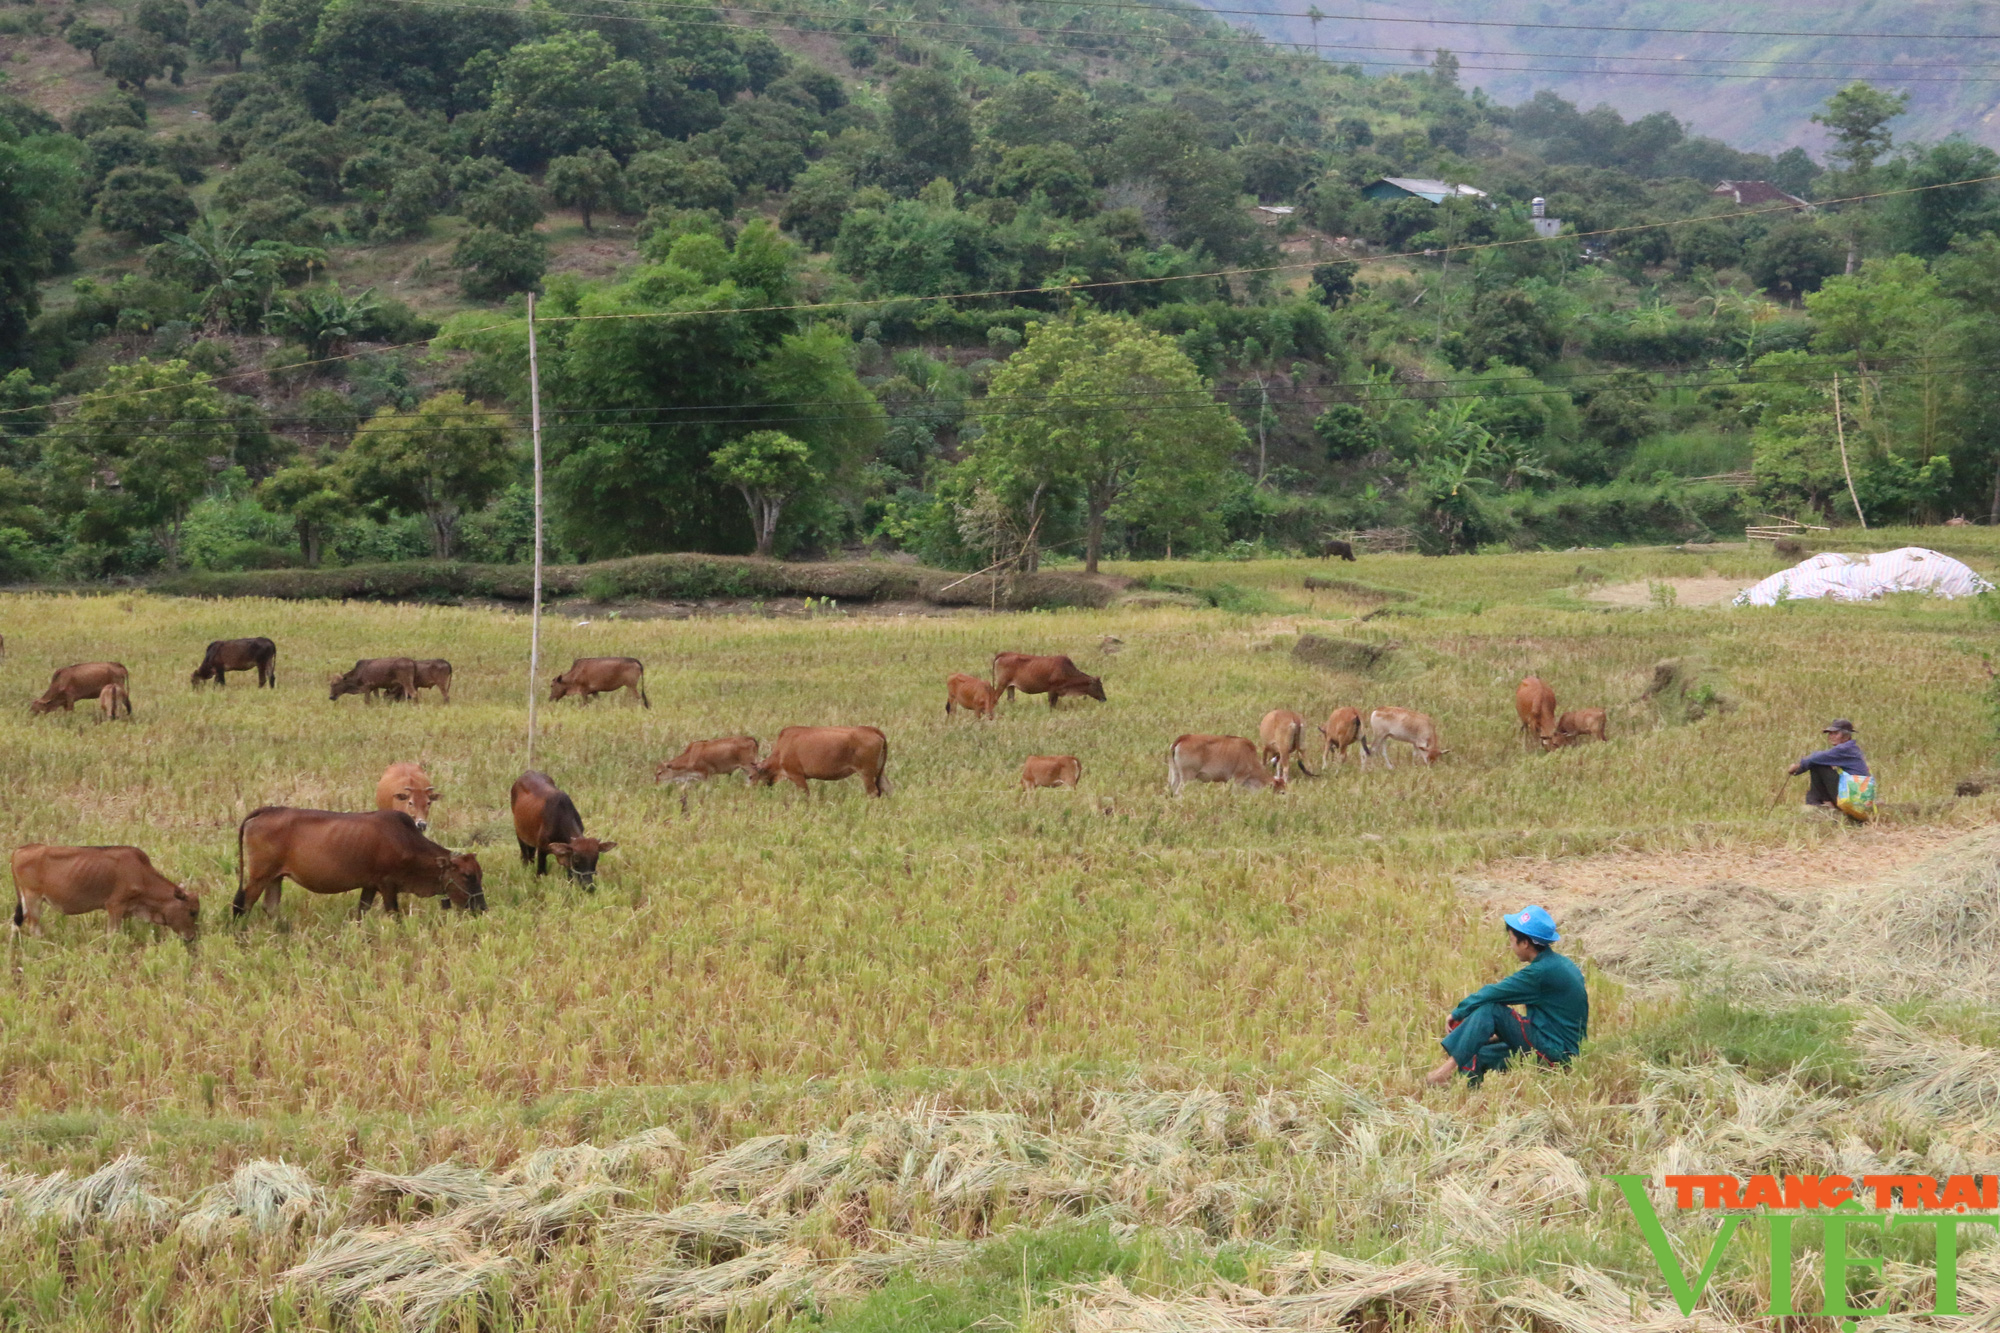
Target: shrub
{"points": [[145, 203], [495, 263]]}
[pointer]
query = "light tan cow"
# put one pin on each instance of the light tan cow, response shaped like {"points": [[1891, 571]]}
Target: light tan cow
{"points": [[1232, 759], [1413, 729], [589, 677], [970, 693], [702, 760], [85, 680], [1051, 770], [1580, 724], [408, 788], [828, 754], [1281, 740], [1342, 729], [110, 699], [118, 881], [1535, 703]]}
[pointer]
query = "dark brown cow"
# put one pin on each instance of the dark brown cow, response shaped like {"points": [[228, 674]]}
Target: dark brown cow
{"points": [[970, 693], [85, 680], [1055, 676], [118, 881], [1342, 729], [1051, 770], [395, 676], [589, 677], [1281, 740], [322, 851], [227, 655], [546, 824], [1231, 759], [828, 754], [1535, 702], [711, 759], [1333, 546], [1580, 724]]}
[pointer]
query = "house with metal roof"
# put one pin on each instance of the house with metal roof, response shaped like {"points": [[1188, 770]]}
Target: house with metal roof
{"points": [[1754, 194], [1391, 188]]}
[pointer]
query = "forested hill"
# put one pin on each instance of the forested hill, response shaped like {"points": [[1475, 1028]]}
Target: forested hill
{"points": [[969, 282], [1756, 91]]}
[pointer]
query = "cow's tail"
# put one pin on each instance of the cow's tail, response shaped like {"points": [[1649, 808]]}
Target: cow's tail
{"points": [[642, 689], [20, 912], [236, 904], [882, 773], [1299, 748], [1174, 769], [1079, 772]]}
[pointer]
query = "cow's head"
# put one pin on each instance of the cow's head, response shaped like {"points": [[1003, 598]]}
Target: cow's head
{"points": [[579, 856], [559, 688], [1094, 687], [198, 675], [42, 705], [415, 801], [664, 771], [761, 773], [339, 684], [464, 883], [181, 914]]}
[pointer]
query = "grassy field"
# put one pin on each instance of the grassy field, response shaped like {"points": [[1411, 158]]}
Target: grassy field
{"points": [[1066, 1060]]}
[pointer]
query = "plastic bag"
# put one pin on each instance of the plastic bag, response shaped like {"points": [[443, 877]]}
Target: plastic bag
{"points": [[1856, 798]]}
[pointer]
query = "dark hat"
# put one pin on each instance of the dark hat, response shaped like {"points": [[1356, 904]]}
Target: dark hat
{"points": [[1838, 724]]}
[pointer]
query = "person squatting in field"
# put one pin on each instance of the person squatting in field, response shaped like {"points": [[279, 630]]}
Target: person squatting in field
{"points": [[1485, 1032], [1826, 766]]}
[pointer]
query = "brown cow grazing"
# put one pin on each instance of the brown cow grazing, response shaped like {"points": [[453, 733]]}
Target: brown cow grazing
{"points": [[227, 655], [1415, 730], [1055, 676], [1536, 704], [1342, 729], [1281, 740], [827, 754], [589, 677], [110, 699], [433, 673], [322, 851], [1333, 546], [1580, 724], [1198, 758], [546, 824], [395, 676], [85, 680], [971, 693], [406, 787], [118, 881], [702, 760], [1051, 770]]}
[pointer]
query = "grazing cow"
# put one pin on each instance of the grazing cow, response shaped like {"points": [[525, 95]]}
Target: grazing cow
{"points": [[1536, 704], [589, 677], [702, 760], [395, 676], [1333, 546], [110, 699], [827, 754], [1051, 770], [406, 787], [972, 693], [85, 680], [322, 851], [1281, 740], [1342, 729], [227, 655], [1415, 730], [546, 824], [118, 881], [1232, 759], [1055, 676], [434, 673], [1580, 724]]}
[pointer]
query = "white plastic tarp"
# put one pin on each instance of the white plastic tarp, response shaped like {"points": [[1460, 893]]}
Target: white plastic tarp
{"points": [[1861, 578]]}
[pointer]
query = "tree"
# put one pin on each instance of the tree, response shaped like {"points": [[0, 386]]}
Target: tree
{"points": [[586, 181], [563, 94], [40, 213], [677, 177], [494, 263], [1114, 413], [1953, 196], [769, 467], [145, 203], [1795, 258], [491, 195], [1858, 117], [88, 37], [134, 455], [931, 127], [137, 56], [222, 32], [313, 498], [1333, 284], [447, 457], [165, 19]]}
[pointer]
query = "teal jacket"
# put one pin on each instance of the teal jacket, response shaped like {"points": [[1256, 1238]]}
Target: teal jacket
{"points": [[1550, 991]]}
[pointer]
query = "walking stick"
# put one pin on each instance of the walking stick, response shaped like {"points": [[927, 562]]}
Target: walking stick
{"points": [[1779, 794]]}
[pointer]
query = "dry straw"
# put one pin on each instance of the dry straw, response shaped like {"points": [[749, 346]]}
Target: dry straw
{"points": [[262, 1197], [115, 1196]]}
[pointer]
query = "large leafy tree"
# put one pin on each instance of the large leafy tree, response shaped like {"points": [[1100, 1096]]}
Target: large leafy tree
{"points": [[564, 94], [1858, 117], [768, 467], [1116, 415], [40, 212], [931, 125], [444, 459], [314, 497]]}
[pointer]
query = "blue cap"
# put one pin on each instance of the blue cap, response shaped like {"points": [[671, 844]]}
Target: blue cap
{"points": [[1535, 922]]}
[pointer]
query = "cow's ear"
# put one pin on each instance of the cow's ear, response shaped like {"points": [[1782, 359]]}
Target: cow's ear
{"points": [[444, 862], [559, 849], [606, 846]]}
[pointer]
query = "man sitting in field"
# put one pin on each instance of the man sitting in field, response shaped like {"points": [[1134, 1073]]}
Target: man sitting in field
{"points": [[1485, 1033], [1826, 766]]}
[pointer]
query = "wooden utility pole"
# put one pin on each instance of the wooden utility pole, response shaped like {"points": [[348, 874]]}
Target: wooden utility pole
{"points": [[535, 614], [1840, 433]]}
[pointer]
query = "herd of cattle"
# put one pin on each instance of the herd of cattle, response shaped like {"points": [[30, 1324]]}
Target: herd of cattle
{"points": [[385, 853]]}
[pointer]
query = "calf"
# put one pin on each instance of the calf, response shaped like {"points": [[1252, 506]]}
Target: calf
{"points": [[1055, 676], [395, 676], [1580, 724], [227, 655], [434, 673], [1342, 729], [1415, 730], [85, 680], [1535, 702], [971, 693], [1051, 770], [1198, 758], [546, 824], [828, 754], [702, 760], [1281, 740], [110, 699], [589, 677], [322, 851], [1333, 546], [406, 787], [118, 881]]}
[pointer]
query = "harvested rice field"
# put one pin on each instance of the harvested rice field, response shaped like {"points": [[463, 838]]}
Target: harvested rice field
{"points": [[1090, 1061]]}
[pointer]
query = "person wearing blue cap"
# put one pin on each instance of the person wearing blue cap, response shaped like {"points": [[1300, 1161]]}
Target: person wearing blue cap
{"points": [[1485, 1032]]}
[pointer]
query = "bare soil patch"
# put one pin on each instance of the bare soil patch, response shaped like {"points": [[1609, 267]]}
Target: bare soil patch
{"points": [[1704, 591]]}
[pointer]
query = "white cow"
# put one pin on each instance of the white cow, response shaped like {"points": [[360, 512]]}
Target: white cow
{"points": [[1414, 729]]}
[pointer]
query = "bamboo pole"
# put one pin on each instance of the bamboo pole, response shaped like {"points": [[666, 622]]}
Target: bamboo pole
{"points": [[1840, 433], [535, 614]]}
